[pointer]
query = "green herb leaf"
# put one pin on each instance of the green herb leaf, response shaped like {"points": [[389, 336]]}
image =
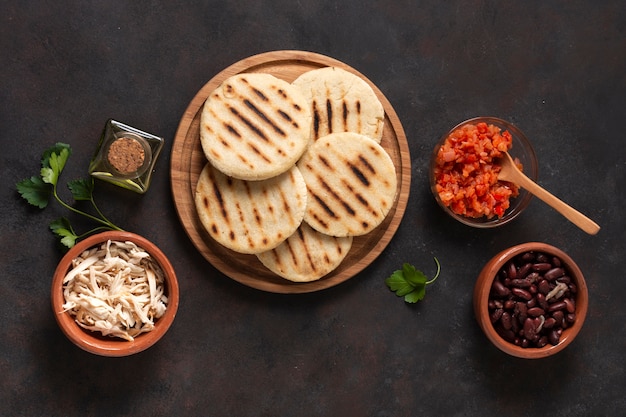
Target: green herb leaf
{"points": [[35, 191], [56, 161], [397, 283], [81, 189], [416, 295], [413, 276], [62, 228], [410, 283], [57, 148]]}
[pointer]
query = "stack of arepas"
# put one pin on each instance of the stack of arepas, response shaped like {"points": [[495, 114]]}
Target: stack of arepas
{"points": [[294, 171]]}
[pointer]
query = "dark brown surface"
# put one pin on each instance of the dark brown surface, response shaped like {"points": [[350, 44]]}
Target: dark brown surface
{"points": [[556, 70]]}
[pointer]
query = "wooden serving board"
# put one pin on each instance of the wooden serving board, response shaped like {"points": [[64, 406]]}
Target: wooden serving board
{"points": [[188, 160]]}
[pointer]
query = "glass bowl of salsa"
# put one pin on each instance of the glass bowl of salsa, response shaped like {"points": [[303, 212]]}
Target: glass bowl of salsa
{"points": [[464, 170]]}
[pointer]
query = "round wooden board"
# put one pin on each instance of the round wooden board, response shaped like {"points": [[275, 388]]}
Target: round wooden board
{"points": [[188, 160]]}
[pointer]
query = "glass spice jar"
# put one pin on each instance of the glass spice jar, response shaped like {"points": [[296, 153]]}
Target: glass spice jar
{"points": [[125, 156]]}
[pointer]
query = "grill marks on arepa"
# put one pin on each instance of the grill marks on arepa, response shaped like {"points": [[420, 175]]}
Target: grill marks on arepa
{"points": [[306, 255], [295, 170], [351, 182], [254, 126], [337, 115], [250, 216], [341, 102]]}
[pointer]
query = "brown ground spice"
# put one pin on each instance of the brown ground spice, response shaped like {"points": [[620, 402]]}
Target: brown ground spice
{"points": [[126, 155]]}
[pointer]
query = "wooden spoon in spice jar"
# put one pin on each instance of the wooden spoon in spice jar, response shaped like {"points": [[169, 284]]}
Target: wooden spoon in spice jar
{"points": [[510, 172]]}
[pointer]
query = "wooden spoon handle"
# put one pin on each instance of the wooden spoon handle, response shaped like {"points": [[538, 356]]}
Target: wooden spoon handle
{"points": [[573, 215]]}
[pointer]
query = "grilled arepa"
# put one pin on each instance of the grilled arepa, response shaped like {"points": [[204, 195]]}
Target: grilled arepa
{"points": [[341, 102], [351, 183], [307, 255], [250, 216], [254, 126]]}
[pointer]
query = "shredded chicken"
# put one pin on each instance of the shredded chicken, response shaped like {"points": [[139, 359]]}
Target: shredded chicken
{"points": [[116, 289]]}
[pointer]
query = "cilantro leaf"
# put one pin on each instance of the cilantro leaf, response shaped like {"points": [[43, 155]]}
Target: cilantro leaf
{"points": [[413, 276], [35, 191], [416, 295], [397, 283], [410, 283], [56, 162], [62, 228], [82, 189], [48, 176], [57, 148]]}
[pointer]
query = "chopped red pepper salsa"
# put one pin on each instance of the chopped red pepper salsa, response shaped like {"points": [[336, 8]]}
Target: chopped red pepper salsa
{"points": [[466, 175]]}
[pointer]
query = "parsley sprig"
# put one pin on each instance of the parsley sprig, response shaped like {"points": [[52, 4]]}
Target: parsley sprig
{"points": [[38, 189], [410, 283]]}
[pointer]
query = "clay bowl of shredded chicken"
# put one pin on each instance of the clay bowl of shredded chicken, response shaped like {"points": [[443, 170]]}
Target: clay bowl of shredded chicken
{"points": [[114, 294]]}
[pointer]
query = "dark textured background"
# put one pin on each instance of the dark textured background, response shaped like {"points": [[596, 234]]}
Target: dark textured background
{"points": [[556, 69]]}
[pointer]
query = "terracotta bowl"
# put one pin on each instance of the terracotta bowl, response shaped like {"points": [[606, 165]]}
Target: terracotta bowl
{"points": [[521, 149], [94, 342], [483, 291]]}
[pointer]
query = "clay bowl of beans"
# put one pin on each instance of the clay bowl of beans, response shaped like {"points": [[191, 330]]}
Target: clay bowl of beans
{"points": [[531, 300], [464, 169], [114, 294]]}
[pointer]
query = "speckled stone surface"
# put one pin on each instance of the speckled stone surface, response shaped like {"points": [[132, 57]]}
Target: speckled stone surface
{"points": [[556, 69]]}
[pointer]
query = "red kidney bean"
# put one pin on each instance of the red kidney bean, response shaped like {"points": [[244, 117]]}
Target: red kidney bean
{"points": [[541, 301], [554, 273], [524, 270], [559, 305], [521, 293], [530, 330], [536, 311], [508, 335], [549, 323], [558, 316], [518, 304], [543, 266], [565, 279], [515, 325], [521, 283], [543, 340], [496, 314], [544, 286], [521, 310], [569, 305], [512, 270], [553, 337], [506, 320], [499, 289]]}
